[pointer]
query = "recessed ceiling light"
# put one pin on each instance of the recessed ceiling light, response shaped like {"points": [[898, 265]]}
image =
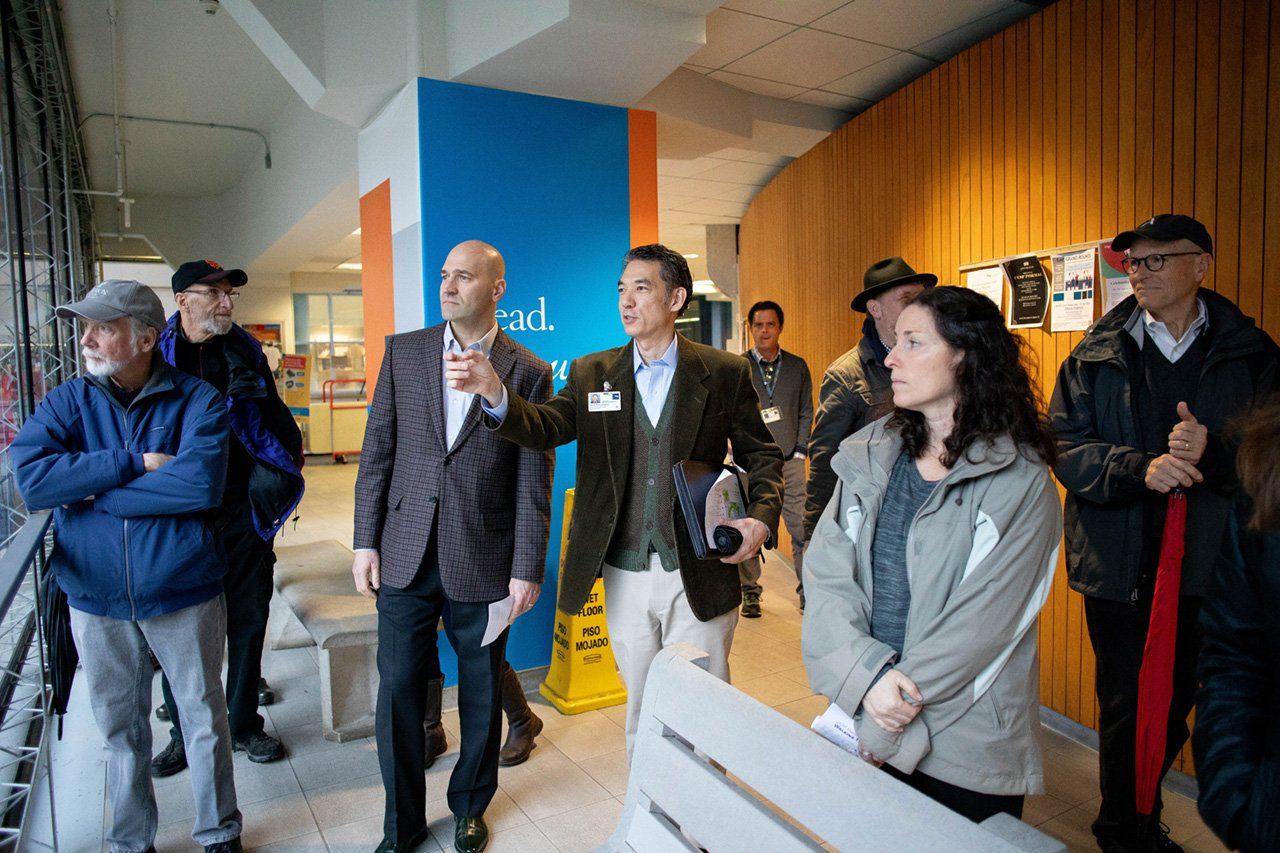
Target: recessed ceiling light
{"points": [[704, 287], [351, 265], [355, 233], [691, 255]]}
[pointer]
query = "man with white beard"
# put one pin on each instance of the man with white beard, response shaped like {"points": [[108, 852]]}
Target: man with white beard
{"points": [[131, 459], [264, 486]]}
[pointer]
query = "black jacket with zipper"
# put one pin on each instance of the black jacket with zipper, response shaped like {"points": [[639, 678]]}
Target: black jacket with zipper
{"points": [[1103, 465], [1237, 736]]}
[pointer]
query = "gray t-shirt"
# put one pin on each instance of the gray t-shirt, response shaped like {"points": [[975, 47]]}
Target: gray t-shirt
{"points": [[890, 588]]}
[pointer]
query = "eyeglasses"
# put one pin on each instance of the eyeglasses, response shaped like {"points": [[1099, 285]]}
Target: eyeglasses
{"points": [[215, 294], [1152, 262]]}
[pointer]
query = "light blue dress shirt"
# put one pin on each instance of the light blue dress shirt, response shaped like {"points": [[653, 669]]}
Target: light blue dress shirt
{"points": [[456, 403], [653, 382]]}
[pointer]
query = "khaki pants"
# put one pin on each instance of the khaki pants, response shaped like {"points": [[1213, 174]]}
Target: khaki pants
{"points": [[648, 611]]}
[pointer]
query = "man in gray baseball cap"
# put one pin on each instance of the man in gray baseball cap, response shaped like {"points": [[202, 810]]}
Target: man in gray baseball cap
{"points": [[116, 298], [131, 459]]}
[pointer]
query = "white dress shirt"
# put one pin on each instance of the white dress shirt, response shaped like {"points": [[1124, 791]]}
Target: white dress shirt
{"points": [[1142, 325]]}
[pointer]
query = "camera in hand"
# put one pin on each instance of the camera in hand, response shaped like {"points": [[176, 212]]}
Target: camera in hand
{"points": [[728, 539]]}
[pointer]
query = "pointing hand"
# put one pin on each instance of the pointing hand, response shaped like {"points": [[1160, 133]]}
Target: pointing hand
{"points": [[471, 372]]}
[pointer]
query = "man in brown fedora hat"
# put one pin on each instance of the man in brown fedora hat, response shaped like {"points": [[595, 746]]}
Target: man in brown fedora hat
{"points": [[855, 388]]}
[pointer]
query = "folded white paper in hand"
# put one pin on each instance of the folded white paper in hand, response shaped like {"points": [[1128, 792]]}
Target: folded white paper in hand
{"points": [[838, 727], [499, 619]]}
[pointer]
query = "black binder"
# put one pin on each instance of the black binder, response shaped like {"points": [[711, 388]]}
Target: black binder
{"points": [[694, 481]]}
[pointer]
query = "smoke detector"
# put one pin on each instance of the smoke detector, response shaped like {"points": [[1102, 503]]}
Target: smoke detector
{"points": [[210, 7]]}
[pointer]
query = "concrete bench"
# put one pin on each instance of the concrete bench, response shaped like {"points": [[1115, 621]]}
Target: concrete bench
{"points": [[314, 582], [699, 758]]}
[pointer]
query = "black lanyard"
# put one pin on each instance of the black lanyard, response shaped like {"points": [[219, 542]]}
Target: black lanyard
{"points": [[769, 374]]}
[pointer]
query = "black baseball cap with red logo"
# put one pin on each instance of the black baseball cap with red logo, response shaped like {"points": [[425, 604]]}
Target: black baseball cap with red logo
{"points": [[205, 272], [1166, 228]]}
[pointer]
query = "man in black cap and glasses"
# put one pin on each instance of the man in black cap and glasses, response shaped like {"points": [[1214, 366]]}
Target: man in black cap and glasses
{"points": [[1142, 407], [855, 388], [264, 486]]}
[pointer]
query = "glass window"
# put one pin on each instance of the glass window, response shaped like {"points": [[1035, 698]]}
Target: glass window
{"points": [[329, 328]]}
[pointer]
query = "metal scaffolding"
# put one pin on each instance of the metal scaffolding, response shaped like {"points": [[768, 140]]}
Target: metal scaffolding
{"points": [[45, 261]]}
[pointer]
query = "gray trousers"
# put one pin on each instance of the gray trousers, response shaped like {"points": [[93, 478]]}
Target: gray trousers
{"points": [[188, 643], [793, 517]]}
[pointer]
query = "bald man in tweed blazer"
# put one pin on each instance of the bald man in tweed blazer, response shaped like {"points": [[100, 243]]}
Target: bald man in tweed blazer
{"points": [[448, 518]]}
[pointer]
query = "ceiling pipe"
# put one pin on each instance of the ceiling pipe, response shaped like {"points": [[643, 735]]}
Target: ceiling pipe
{"points": [[132, 235], [207, 124], [113, 15], [119, 194]]}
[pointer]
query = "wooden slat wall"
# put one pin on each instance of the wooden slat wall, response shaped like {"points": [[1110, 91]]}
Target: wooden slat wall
{"points": [[1069, 126]]}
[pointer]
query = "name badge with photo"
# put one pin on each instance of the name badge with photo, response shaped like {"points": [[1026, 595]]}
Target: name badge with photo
{"points": [[604, 401], [771, 414]]}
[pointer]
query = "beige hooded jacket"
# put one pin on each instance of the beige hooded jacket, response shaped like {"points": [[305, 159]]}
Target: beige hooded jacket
{"points": [[981, 554]]}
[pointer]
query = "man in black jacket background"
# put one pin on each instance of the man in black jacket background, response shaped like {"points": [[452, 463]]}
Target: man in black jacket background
{"points": [[264, 486], [855, 387], [1238, 709]]}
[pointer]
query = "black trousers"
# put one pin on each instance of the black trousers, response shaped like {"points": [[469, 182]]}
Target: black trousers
{"points": [[247, 587], [407, 657], [974, 805], [1118, 632]]}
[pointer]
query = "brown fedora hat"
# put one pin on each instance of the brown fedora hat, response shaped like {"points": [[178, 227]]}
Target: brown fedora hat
{"points": [[884, 275]]}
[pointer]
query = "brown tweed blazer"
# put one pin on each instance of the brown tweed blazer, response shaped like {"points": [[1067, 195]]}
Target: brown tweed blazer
{"points": [[715, 405], [487, 501]]}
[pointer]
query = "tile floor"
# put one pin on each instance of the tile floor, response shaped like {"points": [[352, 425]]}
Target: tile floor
{"points": [[567, 797]]}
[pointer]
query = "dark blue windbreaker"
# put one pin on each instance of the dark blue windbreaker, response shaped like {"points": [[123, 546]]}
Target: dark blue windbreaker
{"points": [[129, 544]]}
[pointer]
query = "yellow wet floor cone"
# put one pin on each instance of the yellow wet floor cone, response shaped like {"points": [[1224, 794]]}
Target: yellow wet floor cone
{"points": [[583, 675]]}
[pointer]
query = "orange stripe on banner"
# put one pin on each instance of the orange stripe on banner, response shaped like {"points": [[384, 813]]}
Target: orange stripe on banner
{"points": [[377, 281], [642, 132]]}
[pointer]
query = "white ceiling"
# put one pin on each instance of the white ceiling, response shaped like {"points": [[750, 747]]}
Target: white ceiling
{"points": [[177, 62], [841, 54], [845, 54]]}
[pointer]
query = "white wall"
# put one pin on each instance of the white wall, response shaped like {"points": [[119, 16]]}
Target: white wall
{"points": [[311, 156], [323, 282]]}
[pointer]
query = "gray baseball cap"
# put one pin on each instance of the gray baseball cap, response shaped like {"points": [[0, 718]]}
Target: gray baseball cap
{"points": [[116, 298]]}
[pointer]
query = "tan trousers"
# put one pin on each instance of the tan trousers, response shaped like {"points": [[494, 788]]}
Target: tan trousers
{"points": [[648, 611]]}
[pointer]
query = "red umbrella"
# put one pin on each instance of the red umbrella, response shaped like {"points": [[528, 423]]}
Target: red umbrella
{"points": [[1155, 679]]}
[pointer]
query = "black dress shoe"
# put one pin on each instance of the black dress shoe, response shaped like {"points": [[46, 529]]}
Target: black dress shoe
{"points": [[172, 759], [266, 696], [470, 835], [415, 840]]}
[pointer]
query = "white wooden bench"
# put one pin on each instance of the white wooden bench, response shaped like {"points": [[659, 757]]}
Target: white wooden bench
{"points": [[314, 583], [692, 725]]}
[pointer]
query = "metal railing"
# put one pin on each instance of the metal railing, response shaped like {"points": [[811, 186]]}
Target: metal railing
{"points": [[25, 695]]}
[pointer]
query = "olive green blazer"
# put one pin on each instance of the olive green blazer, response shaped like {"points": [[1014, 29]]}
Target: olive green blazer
{"points": [[716, 405]]}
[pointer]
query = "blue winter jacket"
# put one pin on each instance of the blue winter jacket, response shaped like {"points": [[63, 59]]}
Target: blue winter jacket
{"points": [[277, 484], [129, 544]]}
